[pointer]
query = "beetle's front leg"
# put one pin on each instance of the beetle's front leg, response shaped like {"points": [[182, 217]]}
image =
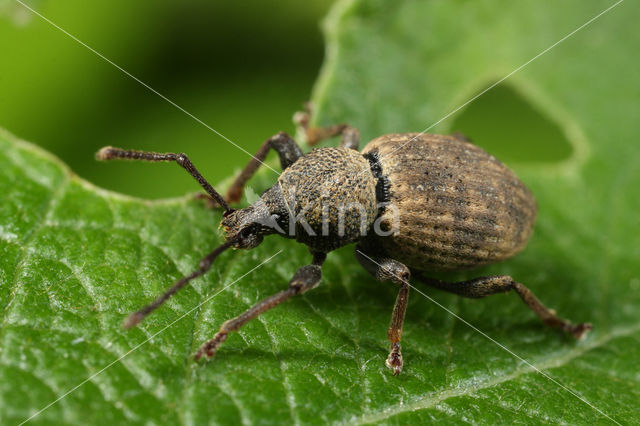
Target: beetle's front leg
{"points": [[386, 269], [304, 279], [288, 151]]}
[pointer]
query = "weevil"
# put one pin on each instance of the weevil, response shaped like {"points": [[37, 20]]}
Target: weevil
{"points": [[412, 203]]}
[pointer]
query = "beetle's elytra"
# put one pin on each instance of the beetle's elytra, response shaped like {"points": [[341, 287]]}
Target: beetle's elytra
{"points": [[412, 203], [461, 207]]}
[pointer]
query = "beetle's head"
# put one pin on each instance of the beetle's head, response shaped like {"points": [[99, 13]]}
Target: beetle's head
{"points": [[247, 227]]}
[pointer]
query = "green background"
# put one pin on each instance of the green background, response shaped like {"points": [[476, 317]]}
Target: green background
{"points": [[243, 68]]}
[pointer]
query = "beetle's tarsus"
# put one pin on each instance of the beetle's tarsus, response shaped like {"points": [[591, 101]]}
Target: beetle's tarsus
{"points": [[394, 361], [132, 320], [210, 348], [579, 331]]}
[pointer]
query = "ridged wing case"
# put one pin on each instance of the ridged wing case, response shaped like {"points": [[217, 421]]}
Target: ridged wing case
{"points": [[455, 205]]}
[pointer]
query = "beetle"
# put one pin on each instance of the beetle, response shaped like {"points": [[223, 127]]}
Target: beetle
{"points": [[412, 203]]}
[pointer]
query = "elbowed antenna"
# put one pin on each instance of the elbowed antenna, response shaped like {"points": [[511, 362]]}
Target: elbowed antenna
{"points": [[110, 153], [206, 262]]}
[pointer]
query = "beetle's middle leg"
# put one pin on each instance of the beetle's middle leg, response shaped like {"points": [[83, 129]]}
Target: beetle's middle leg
{"points": [[304, 279], [386, 269], [486, 286], [314, 135]]}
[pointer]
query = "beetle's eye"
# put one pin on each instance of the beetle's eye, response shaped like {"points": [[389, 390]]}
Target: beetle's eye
{"points": [[247, 232]]}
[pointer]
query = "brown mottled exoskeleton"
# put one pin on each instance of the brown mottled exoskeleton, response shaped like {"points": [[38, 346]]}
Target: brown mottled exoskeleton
{"points": [[412, 203]]}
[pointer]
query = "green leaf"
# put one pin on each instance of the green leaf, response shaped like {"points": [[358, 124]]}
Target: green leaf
{"points": [[76, 259]]}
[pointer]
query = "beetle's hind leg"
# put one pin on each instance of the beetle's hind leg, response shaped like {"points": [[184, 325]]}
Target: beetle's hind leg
{"points": [[486, 286], [386, 269], [314, 135]]}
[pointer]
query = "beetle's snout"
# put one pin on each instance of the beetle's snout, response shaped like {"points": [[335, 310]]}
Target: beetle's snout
{"points": [[243, 227]]}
